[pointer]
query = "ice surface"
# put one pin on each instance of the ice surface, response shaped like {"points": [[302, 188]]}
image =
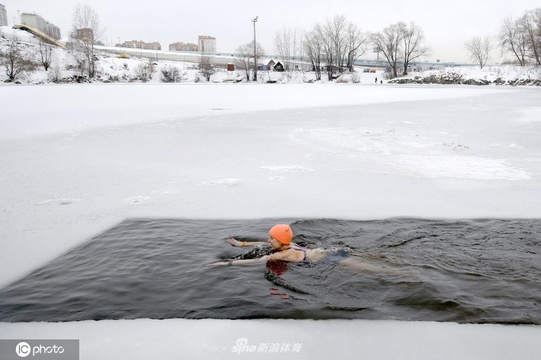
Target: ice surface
{"points": [[77, 159]]}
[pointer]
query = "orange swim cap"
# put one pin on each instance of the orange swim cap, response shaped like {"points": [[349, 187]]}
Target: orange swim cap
{"points": [[282, 233]]}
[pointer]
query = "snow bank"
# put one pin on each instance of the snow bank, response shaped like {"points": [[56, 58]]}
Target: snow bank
{"points": [[113, 68], [220, 339], [499, 75]]}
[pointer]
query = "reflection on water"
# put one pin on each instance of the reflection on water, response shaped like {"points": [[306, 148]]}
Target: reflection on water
{"points": [[475, 271]]}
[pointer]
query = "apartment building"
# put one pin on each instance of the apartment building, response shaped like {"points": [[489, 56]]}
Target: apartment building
{"points": [[134, 44], [85, 34], [37, 22], [207, 44], [3, 16], [180, 46]]}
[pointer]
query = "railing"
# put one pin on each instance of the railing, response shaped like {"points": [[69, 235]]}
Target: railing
{"points": [[40, 34]]}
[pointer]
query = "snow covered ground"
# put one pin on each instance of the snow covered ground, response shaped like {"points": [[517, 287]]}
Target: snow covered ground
{"points": [[78, 159]]}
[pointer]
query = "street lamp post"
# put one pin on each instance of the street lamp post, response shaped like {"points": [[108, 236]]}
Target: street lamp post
{"points": [[254, 20]]}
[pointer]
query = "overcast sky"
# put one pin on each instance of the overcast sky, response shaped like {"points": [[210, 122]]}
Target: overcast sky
{"points": [[447, 24]]}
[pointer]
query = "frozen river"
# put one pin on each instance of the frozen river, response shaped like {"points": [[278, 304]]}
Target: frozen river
{"points": [[77, 160]]}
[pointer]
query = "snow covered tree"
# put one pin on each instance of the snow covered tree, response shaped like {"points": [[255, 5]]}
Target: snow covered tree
{"points": [[145, 70], [479, 49]]}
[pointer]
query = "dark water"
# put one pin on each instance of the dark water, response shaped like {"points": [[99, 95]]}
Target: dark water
{"points": [[472, 271]]}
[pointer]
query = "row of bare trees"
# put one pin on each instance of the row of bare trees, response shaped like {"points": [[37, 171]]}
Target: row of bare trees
{"points": [[336, 44], [520, 37], [333, 46]]}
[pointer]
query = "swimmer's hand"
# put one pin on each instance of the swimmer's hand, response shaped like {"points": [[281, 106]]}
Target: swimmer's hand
{"points": [[234, 242]]}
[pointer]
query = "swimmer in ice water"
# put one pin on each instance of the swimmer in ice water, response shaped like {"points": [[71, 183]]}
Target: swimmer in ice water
{"points": [[283, 249]]}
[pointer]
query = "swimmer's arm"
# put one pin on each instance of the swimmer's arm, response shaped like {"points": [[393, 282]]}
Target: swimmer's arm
{"points": [[237, 243], [241, 261]]}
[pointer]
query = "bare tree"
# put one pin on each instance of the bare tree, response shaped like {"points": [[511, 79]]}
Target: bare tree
{"points": [[244, 55], [46, 53], [205, 67], [298, 47], [479, 49], [536, 17], [413, 46], [388, 42], [512, 38], [328, 55], [14, 62], [283, 44], [334, 32], [288, 44], [314, 50], [86, 31], [171, 74], [531, 25], [245, 58], [355, 45]]}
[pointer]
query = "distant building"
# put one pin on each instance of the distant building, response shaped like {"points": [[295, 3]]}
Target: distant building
{"points": [[37, 22], [85, 34], [207, 44], [134, 44], [180, 46], [3, 16]]}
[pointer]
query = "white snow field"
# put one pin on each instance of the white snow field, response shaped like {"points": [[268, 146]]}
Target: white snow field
{"points": [[77, 159]]}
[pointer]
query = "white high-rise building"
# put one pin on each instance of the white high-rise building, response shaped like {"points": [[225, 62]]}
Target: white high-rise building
{"points": [[37, 22], [207, 44], [3, 16]]}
